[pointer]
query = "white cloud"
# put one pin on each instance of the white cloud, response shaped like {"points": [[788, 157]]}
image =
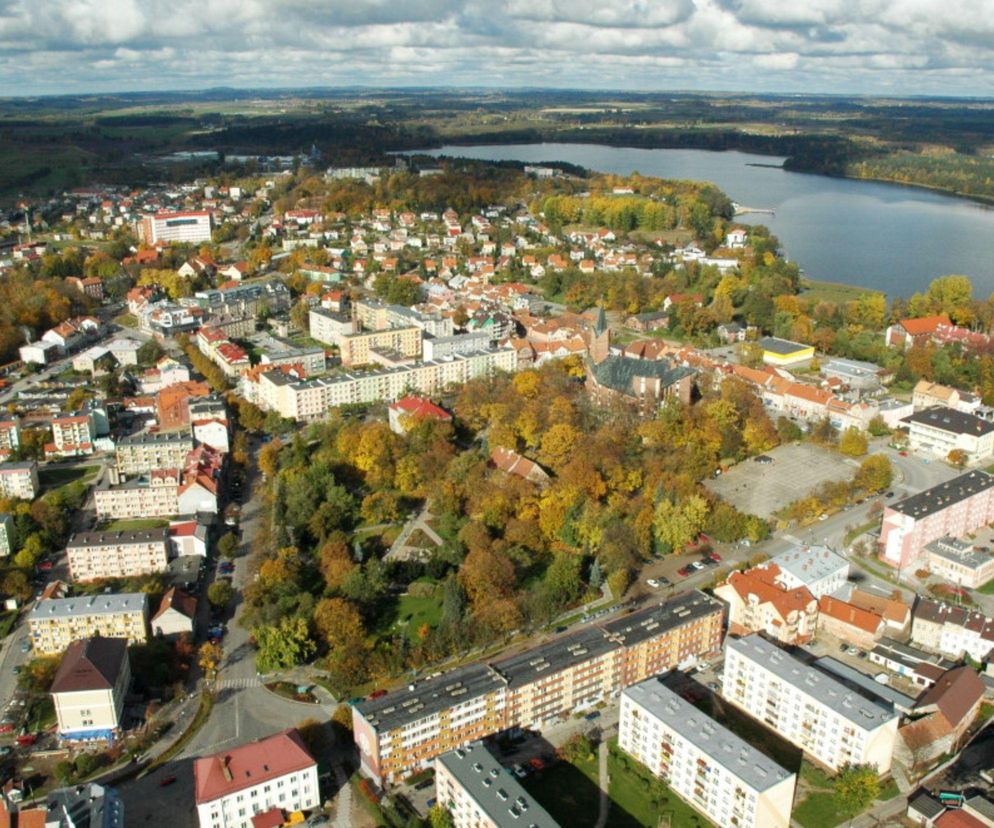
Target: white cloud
{"points": [[916, 46]]}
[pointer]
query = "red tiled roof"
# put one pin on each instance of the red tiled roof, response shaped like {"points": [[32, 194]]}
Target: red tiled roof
{"points": [[958, 819], [761, 582], [178, 600], [273, 818], [955, 694], [924, 324], [849, 614], [421, 408], [250, 765]]}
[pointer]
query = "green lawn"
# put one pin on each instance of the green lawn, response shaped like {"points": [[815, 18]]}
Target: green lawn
{"points": [[48, 478], [832, 291], [413, 612], [135, 524], [988, 588], [7, 620], [639, 799], [819, 808]]}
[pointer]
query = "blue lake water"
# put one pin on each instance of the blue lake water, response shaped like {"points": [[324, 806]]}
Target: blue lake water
{"points": [[884, 236]]}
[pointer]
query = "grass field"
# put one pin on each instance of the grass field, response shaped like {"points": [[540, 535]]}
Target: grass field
{"points": [[414, 612], [568, 792], [135, 524], [819, 808], [639, 799], [832, 291], [48, 478]]}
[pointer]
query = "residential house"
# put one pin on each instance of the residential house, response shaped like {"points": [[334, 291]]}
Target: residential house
{"points": [[177, 614], [815, 567], [407, 412], [849, 623], [233, 786], [510, 462], [94, 555], [895, 612], [89, 689], [10, 436], [19, 480], [905, 333], [757, 602], [952, 630], [939, 431]]}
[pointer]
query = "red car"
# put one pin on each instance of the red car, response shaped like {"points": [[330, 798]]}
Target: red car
{"points": [[903, 453], [684, 572], [45, 566], [714, 556], [377, 694], [26, 739], [6, 727]]}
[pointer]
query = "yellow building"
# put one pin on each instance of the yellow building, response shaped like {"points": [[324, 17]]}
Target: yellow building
{"points": [[783, 352], [55, 623]]}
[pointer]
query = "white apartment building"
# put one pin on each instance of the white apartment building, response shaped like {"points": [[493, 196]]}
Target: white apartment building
{"points": [[141, 453], [235, 785], [7, 538], [479, 793], [190, 227], [10, 436], [952, 630], [72, 435], [19, 480], [711, 768], [55, 623], [815, 567], [311, 399], [94, 555], [940, 430], [828, 721]]}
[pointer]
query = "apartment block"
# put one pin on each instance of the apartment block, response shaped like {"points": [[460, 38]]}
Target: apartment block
{"points": [[757, 602], [406, 730], [952, 631], [94, 555], [10, 436], [72, 435], [55, 623], [141, 453], [191, 227], [708, 766], [7, 537], [954, 508], [328, 326], [817, 568], [812, 710], [359, 348], [939, 430], [479, 793], [273, 774], [90, 687], [19, 480], [311, 399]]}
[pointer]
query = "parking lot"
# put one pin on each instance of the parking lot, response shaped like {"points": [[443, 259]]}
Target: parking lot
{"points": [[762, 489]]}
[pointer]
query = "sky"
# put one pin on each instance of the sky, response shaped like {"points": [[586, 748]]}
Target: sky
{"points": [[888, 47]]}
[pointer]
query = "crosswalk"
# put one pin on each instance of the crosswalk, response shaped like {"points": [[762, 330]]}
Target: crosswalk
{"points": [[234, 683]]}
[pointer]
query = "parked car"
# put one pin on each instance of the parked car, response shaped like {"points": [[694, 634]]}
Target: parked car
{"points": [[27, 739], [520, 771], [317, 819], [684, 571], [714, 556], [376, 694], [46, 566], [653, 583], [7, 726], [764, 459]]}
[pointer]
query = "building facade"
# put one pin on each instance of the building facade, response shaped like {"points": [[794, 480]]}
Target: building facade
{"points": [[90, 688], [94, 555], [19, 480], [7, 538], [141, 453], [708, 766], [954, 508], [939, 430], [191, 227], [758, 603], [952, 631], [831, 723], [55, 623], [960, 562], [817, 568], [234, 786], [404, 731]]}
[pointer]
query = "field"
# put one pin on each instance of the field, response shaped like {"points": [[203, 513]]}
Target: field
{"points": [[50, 478], [414, 612], [135, 524], [832, 291]]}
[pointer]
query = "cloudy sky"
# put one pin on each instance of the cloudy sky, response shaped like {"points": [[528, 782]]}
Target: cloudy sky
{"points": [[903, 47]]}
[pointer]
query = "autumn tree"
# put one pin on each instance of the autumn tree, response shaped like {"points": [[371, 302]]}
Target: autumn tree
{"points": [[875, 473], [335, 561], [283, 645], [209, 658], [855, 787], [958, 458], [677, 524], [853, 442], [269, 457], [220, 593]]}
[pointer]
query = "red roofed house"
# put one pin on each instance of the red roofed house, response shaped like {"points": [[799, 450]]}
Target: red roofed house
{"points": [[513, 463], [907, 332], [236, 785], [409, 411], [188, 537], [757, 603], [273, 818], [850, 623]]}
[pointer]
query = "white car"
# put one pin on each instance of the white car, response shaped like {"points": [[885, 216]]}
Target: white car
{"points": [[653, 583]]}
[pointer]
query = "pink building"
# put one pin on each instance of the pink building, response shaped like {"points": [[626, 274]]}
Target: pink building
{"points": [[954, 508]]}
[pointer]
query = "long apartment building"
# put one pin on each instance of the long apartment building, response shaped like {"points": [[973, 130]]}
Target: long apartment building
{"points": [[19, 480], [141, 453], [55, 623], [479, 793], [94, 555], [809, 708], [940, 430], [404, 731], [192, 227], [359, 348], [310, 399], [711, 768], [952, 631], [954, 508]]}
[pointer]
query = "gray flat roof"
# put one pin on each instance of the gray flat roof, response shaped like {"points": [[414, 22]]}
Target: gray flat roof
{"points": [[775, 345], [157, 438], [89, 605], [829, 691], [959, 552], [710, 737], [116, 538], [945, 494], [496, 791], [810, 563]]}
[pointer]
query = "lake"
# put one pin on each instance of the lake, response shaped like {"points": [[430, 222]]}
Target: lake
{"points": [[884, 236]]}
